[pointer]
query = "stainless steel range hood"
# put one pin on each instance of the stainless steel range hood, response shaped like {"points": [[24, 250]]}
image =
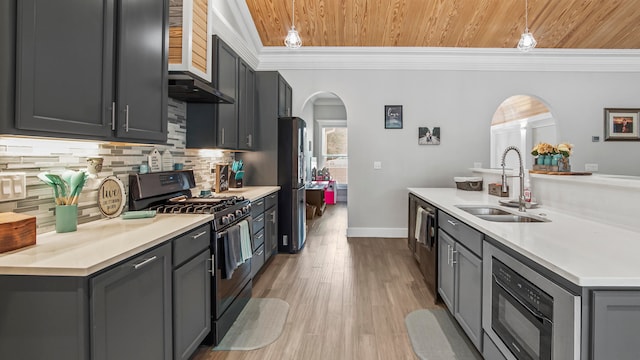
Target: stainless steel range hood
{"points": [[187, 87]]}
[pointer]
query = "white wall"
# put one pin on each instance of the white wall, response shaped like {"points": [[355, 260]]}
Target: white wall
{"points": [[462, 104]]}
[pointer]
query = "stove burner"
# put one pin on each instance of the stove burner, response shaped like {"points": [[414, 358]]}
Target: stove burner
{"points": [[196, 205]]}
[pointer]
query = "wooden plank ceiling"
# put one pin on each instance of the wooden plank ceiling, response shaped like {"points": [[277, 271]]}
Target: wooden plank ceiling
{"points": [[578, 24]]}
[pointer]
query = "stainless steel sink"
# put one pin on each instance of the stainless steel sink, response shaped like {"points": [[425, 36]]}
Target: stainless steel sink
{"points": [[496, 214]]}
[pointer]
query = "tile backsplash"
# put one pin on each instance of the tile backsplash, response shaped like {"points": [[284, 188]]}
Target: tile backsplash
{"points": [[32, 156]]}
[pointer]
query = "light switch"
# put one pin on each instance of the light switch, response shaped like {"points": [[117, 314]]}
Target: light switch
{"points": [[12, 186], [377, 165]]}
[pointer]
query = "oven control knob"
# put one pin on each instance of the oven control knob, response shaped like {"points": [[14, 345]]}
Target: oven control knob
{"points": [[225, 220], [231, 217], [238, 213], [245, 209], [248, 207]]}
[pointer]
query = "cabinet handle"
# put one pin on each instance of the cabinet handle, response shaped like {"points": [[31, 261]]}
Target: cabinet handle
{"points": [[222, 135], [144, 262], [261, 252], [198, 235], [273, 217], [453, 259], [126, 118], [259, 203], [213, 263], [113, 116], [249, 138], [261, 236], [452, 223]]}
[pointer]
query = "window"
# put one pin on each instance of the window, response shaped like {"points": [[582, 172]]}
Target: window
{"points": [[334, 152]]}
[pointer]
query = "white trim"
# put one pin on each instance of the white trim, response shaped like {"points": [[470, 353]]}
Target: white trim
{"points": [[331, 123], [377, 232], [412, 58]]}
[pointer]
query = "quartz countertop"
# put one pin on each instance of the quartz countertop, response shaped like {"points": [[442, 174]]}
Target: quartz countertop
{"points": [[100, 244], [585, 252], [96, 245], [252, 193]]}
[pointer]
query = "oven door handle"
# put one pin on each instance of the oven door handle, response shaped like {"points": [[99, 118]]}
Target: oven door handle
{"points": [[533, 312]]}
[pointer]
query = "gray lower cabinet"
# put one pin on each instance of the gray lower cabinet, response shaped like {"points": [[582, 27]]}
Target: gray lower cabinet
{"points": [[615, 325], [460, 274], [271, 231], [191, 291], [131, 309], [91, 69], [490, 351]]}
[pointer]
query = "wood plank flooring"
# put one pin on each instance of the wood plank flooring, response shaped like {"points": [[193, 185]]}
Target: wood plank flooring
{"points": [[348, 297]]}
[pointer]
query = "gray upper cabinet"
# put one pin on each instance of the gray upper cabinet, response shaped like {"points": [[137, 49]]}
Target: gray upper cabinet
{"points": [[246, 106], [285, 94], [131, 309], [226, 126], [142, 90], [91, 69], [7, 63]]}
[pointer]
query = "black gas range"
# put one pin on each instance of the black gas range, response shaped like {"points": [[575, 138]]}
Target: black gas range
{"points": [[170, 193]]}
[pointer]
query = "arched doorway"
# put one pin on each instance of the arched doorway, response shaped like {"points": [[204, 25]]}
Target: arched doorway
{"points": [[326, 117]]}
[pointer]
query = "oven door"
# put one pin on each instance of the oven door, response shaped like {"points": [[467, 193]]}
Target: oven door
{"points": [[225, 290], [526, 332]]}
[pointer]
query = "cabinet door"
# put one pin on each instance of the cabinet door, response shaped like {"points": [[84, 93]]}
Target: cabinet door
{"points": [[191, 305], [246, 106], [445, 269], [131, 309], [64, 67], [468, 293], [227, 82], [616, 325], [271, 232], [141, 94]]}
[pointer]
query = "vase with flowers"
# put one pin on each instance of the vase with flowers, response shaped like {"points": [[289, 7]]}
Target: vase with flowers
{"points": [[543, 152], [564, 150]]}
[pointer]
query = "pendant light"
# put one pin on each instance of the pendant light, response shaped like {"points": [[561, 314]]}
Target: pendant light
{"points": [[293, 41], [527, 41]]}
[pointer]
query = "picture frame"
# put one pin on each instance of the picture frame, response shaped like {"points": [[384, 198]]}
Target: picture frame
{"points": [[393, 116], [429, 135], [621, 124]]}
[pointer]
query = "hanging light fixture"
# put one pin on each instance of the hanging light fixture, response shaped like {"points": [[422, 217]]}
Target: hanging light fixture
{"points": [[293, 41], [527, 41]]}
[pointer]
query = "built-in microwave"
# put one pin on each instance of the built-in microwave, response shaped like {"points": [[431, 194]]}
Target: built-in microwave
{"points": [[527, 316]]}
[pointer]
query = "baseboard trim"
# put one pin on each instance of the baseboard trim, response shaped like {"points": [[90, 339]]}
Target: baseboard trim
{"points": [[377, 232]]}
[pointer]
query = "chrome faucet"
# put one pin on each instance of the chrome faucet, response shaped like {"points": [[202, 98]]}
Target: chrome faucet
{"points": [[521, 176]]}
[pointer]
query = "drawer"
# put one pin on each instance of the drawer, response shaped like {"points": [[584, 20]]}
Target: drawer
{"points": [[257, 260], [257, 207], [271, 200], [191, 243], [461, 232], [258, 223], [258, 239]]}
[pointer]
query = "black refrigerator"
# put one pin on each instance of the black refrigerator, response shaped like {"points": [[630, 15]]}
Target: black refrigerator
{"points": [[291, 178]]}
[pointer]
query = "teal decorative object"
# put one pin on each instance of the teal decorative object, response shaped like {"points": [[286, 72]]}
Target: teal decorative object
{"points": [[66, 218]]}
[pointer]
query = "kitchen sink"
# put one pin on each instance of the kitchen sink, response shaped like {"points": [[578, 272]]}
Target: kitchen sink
{"points": [[496, 214]]}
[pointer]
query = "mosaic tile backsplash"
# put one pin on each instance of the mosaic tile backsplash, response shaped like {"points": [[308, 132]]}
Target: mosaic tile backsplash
{"points": [[33, 156]]}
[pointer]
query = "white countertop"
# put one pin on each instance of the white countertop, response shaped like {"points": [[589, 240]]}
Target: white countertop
{"points": [[95, 245], [585, 252], [99, 244], [252, 193]]}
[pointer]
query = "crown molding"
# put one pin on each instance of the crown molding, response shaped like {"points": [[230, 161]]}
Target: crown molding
{"points": [[410, 58]]}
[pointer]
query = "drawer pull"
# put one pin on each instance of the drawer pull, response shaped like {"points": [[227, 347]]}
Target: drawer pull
{"points": [[260, 203], [143, 263], [452, 223], [198, 235], [261, 252]]}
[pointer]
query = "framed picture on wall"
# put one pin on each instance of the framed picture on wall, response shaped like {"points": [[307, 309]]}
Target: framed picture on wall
{"points": [[621, 124], [393, 116], [429, 136]]}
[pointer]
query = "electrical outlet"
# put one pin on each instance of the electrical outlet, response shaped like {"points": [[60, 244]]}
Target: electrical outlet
{"points": [[590, 167], [595, 138], [377, 165]]}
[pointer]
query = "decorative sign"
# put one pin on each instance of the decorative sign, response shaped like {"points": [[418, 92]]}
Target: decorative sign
{"points": [[155, 161], [222, 178], [111, 197]]}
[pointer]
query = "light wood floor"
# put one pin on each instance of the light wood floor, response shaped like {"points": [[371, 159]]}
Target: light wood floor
{"points": [[348, 297]]}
